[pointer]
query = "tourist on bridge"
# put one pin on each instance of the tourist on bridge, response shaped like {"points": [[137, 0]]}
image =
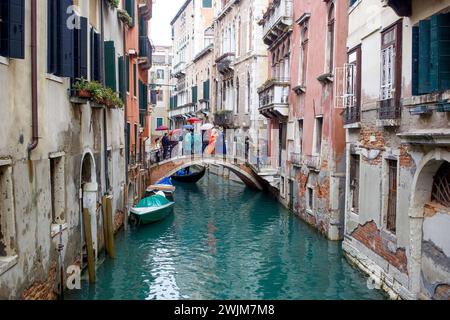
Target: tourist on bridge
{"points": [[165, 145]]}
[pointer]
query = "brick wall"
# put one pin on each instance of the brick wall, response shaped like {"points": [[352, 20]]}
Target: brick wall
{"points": [[369, 235], [43, 290]]}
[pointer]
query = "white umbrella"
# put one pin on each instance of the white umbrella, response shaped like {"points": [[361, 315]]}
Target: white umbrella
{"points": [[207, 126]]}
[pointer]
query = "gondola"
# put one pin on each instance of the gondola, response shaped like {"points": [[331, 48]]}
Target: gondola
{"points": [[188, 176]]}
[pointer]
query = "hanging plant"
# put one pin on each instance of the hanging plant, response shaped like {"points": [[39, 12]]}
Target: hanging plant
{"points": [[124, 17], [113, 3]]}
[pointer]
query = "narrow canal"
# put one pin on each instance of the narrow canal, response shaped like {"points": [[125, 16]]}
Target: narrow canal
{"points": [[225, 241]]}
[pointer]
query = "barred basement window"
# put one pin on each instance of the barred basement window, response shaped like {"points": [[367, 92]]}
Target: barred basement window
{"points": [[310, 195], [391, 216], [7, 226], [441, 185], [58, 192], [354, 182]]}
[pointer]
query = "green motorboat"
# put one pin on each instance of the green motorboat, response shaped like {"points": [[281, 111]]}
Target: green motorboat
{"points": [[152, 209]]}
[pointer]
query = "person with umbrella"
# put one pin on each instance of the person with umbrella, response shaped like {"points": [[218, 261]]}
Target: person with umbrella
{"points": [[165, 145]]}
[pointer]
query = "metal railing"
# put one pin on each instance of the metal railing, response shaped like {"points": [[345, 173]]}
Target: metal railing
{"points": [[352, 115], [389, 109]]}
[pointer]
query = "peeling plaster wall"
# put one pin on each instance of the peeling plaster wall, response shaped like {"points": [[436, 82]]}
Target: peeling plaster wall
{"points": [[64, 128], [375, 144]]}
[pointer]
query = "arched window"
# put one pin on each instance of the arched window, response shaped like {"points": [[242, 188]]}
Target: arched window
{"points": [[441, 185], [330, 37]]}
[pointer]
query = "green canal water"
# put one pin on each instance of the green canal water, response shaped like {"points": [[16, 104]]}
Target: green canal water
{"points": [[224, 241]]}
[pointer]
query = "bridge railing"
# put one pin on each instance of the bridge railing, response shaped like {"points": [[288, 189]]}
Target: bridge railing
{"points": [[238, 151]]}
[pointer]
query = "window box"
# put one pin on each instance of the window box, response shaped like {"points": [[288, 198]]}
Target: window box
{"points": [[443, 107], [299, 89], [326, 78], [420, 110]]}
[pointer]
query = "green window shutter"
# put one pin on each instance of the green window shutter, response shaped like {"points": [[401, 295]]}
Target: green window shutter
{"points": [[206, 90], [415, 61], [440, 52], [127, 70], [128, 142], [130, 8], [110, 65], [424, 57], [120, 66], [134, 79], [194, 94]]}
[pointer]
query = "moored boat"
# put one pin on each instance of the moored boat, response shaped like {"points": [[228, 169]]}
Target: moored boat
{"points": [[152, 209], [187, 176], [165, 185]]}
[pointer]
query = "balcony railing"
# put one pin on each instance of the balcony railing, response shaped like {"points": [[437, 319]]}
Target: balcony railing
{"points": [[224, 118], [312, 161], [273, 98], [179, 69], [389, 109], [296, 158], [352, 115], [145, 52], [277, 17], [186, 110], [225, 62]]}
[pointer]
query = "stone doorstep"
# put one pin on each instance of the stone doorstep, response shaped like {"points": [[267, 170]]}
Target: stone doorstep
{"points": [[7, 263]]}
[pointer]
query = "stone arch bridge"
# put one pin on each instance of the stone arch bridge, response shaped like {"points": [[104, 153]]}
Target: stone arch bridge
{"points": [[169, 167]]}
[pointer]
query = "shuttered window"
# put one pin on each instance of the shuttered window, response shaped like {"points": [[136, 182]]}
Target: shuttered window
{"points": [[206, 90], [127, 74], [431, 55], [120, 66], [143, 97], [128, 141], [110, 65], [62, 40], [134, 80], [387, 72], [96, 56], [80, 48], [130, 8], [194, 95], [12, 28]]}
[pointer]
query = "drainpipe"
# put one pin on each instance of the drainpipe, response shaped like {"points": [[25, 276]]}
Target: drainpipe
{"points": [[34, 98], [105, 124], [125, 117]]}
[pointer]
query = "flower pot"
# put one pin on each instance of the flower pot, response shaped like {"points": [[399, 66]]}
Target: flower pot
{"points": [[84, 93]]}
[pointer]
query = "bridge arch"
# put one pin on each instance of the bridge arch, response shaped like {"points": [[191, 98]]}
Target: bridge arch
{"points": [[170, 167]]}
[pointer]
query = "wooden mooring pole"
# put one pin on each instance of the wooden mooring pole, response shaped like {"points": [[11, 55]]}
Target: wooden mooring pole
{"points": [[89, 245]]}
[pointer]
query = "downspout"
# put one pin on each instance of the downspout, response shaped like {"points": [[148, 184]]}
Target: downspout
{"points": [[34, 98], [105, 124], [125, 117]]}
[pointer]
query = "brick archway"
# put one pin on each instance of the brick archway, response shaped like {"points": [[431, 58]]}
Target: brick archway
{"points": [[420, 195]]}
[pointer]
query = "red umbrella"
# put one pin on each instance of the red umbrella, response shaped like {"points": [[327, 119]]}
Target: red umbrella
{"points": [[176, 131], [194, 120], [162, 128]]}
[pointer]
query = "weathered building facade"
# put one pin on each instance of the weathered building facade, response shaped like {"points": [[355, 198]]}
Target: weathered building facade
{"points": [[60, 153], [137, 62], [395, 99], [192, 36], [240, 67], [160, 88], [306, 41]]}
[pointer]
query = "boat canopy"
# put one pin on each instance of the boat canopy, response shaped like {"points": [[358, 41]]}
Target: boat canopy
{"points": [[166, 181], [153, 201]]}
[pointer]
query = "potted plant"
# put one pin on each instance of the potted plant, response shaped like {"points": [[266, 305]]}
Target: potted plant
{"points": [[113, 3], [124, 17], [81, 88]]}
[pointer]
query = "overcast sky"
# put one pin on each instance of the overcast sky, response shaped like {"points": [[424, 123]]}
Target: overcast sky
{"points": [[163, 12]]}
